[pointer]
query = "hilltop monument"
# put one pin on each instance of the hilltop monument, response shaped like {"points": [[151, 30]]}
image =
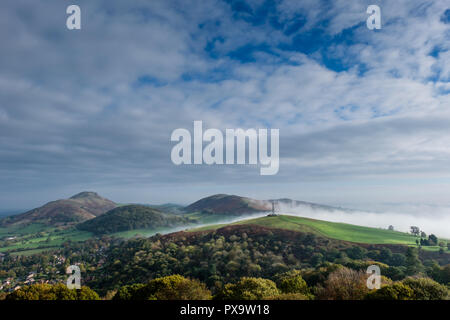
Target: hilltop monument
{"points": [[272, 214]]}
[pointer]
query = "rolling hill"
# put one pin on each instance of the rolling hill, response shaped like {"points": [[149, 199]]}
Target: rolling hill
{"points": [[131, 217], [333, 230], [223, 204], [169, 208], [81, 207]]}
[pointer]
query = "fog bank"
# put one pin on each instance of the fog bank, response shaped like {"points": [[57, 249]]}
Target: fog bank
{"points": [[430, 219]]}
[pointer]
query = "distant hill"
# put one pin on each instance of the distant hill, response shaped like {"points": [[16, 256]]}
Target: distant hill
{"points": [[286, 204], [80, 207], [223, 204], [131, 217], [169, 208]]}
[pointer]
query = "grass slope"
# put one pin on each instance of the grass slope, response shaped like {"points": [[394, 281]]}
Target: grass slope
{"points": [[340, 231]]}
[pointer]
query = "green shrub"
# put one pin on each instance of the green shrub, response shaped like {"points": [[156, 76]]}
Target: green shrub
{"points": [[249, 289], [426, 289], [292, 282], [396, 291], [173, 287]]}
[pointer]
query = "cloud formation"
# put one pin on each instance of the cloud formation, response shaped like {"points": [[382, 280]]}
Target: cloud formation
{"points": [[363, 115]]}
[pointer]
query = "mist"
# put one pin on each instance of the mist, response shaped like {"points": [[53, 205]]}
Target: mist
{"points": [[430, 219]]}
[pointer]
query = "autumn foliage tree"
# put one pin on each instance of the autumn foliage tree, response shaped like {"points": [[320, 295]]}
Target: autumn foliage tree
{"points": [[344, 284]]}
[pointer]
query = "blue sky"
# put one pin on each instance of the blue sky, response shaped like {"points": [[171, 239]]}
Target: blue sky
{"points": [[363, 115]]}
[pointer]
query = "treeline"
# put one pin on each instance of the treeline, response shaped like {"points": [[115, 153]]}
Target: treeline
{"points": [[341, 284], [51, 292], [221, 259], [334, 282]]}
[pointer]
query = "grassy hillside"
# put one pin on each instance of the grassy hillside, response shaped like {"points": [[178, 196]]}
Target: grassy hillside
{"points": [[340, 231], [37, 237]]}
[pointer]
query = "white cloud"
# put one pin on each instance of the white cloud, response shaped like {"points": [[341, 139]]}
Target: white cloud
{"points": [[71, 108]]}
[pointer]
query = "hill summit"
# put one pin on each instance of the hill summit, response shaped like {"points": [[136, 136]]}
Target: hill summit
{"points": [[78, 208], [131, 217], [224, 204], [85, 194], [228, 204]]}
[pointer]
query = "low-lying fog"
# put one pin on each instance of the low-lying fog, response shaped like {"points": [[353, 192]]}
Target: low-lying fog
{"points": [[430, 219]]}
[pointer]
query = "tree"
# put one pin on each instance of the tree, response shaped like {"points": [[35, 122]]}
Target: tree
{"points": [[128, 292], [396, 291], [385, 255], [356, 252], [248, 289], [415, 230], [292, 282], [288, 296], [433, 240], [445, 274], [391, 227], [426, 289], [413, 264], [52, 292], [423, 234], [434, 271], [344, 284], [316, 259], [173, 287]]}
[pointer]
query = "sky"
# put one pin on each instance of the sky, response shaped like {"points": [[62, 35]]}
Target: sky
{"points": [[364, 115]]}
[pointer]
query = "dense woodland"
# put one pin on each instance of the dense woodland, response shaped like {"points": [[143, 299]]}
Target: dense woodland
{"points": [[239, 262]]}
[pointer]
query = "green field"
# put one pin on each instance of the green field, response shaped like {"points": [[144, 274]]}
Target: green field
{"points": [[22, 230], [339, 231], [38, 237]]}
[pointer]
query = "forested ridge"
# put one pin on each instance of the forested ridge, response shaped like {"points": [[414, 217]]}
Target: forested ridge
{"points": [[240, 262]]}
